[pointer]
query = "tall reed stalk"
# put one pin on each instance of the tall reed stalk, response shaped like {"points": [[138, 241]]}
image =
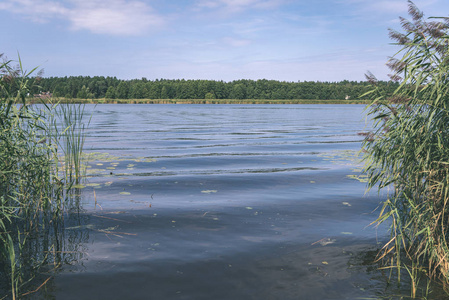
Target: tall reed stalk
{"points": [[33, 193], [69, 127], [408, 152]]}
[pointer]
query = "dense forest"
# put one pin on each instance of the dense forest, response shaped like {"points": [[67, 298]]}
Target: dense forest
{"points": [[86, 87]]}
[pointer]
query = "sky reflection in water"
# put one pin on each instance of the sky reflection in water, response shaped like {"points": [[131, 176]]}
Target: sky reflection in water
{"points": [[224, 202]]}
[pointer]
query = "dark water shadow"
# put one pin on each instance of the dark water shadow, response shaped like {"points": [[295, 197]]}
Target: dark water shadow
{"points": [[192, 256]]}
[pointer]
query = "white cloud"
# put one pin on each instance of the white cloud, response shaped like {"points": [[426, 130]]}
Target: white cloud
{"points": [[391, 7], [36, 10], [239, 3], [348, 68], [115, 17], [233, 6], [207, 4]]}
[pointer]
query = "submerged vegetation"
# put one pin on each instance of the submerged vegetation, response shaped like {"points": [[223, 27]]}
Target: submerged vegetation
{"points": [[408, 153], [40, 147]]}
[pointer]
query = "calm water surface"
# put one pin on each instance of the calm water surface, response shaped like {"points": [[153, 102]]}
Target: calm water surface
{"points": [[223, 202]]}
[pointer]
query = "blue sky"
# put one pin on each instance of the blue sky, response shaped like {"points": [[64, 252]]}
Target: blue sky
{"points": [[287, 40]]}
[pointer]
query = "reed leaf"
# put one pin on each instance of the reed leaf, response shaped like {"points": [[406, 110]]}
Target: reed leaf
{"points": [[409, 151], [34, 194]]}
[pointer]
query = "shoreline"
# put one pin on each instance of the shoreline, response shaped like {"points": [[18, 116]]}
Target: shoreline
{"points": [[202, 101]]}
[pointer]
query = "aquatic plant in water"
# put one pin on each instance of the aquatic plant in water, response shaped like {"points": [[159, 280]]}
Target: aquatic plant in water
{"points": [[34, 189], [408, 152]]}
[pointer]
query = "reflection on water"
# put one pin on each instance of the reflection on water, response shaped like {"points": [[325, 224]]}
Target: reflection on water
{"points": [[41, 249], [221, 202]]}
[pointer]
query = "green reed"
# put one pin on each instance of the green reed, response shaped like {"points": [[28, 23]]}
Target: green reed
{"points": [[69, 127], [408, 152], [34, 189]]}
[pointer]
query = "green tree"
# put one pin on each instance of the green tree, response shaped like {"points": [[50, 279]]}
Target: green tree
{"points": [[209, 95], [122, 90], [154, 91], [164, 93], [138, 91], [238, 91], [110, 93], [84, 93]]}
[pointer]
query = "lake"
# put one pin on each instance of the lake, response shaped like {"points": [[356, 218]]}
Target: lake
{"points": [[222, 202]]}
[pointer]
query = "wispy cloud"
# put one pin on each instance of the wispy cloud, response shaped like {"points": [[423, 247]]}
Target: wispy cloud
{"points": [[235, 42], [387, 6], [35, 10], [115, 17], [390, 7], [234, 6]]}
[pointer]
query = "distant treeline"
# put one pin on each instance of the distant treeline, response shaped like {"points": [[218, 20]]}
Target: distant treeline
{"points": [[85, 87]]}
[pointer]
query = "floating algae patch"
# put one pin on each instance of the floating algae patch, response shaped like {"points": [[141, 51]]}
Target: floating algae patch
{"points": [[144, 159], [114, 159], [209, 191], [100, 156], [102, 164], [351, 158], [94, 171], [343, 156], [94, 185], [78, 186], [125, 193], [361, 178]]}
